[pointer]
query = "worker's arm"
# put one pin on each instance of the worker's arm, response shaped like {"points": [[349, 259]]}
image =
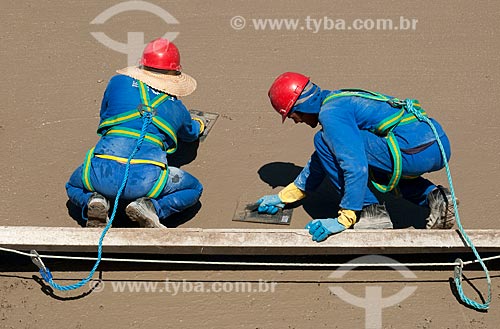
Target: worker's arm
{"points": [[343, 138], [311, 175], [191, 128]]}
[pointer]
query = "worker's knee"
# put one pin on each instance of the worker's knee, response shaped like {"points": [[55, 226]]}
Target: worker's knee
{"points": [[182, 180]]}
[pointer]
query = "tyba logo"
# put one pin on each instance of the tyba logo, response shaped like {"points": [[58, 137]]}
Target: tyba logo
{"points": [[135, 40]]}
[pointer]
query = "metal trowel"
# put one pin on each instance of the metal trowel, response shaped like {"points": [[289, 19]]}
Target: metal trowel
{"points": [[209, 118], [247, 212]]}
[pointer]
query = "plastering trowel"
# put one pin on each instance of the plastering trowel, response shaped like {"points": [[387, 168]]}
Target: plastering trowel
{"points": [[209, 118], [247, 212]]}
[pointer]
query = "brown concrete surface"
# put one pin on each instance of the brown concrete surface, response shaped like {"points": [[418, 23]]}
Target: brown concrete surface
{"points": [[53, 76]]}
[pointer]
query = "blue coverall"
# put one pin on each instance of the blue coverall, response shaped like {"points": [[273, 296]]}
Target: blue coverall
{"points": [[346, 151], [181, 191]]}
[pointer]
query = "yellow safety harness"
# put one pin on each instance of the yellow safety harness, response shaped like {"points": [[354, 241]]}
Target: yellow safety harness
{"points": [[111, 126], [385, 128]]}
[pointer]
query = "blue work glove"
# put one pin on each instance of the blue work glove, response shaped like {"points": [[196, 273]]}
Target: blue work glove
{"points": [[320, 229], [270, 204]]}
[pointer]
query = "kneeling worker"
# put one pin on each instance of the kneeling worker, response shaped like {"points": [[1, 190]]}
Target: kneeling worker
{"points": [[153, 190], [364, 136]]}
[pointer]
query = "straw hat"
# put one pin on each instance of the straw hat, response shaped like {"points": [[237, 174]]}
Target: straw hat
{"points": [[160, 69]]}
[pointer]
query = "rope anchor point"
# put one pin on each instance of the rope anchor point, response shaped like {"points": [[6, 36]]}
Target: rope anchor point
{"points": [[458, 270], [44, 271]]}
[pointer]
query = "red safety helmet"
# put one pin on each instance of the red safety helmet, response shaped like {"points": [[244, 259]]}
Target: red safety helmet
{"points": [[161, 54], [285, 91]]}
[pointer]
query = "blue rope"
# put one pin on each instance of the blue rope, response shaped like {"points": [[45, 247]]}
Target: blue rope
{"points": [[458, 281], [45, 272]]}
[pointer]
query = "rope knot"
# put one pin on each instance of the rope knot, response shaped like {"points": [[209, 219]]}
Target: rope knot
{"points": [[411, 109]]}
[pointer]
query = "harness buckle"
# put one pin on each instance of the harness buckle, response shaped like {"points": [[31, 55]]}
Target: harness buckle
{"points": [[396, 102], [143, 108]]}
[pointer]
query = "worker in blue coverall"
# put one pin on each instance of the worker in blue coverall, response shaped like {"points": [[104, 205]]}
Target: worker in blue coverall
{"points": [[153, 190], [365, 137]]}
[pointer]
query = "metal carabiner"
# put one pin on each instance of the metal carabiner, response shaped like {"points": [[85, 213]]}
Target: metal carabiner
{"points": [[143, 108], [457, 273], [396, 102], [44, 271]]}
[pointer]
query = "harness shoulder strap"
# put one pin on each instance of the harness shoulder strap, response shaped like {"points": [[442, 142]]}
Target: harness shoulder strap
{"points": [[167, 129], [147, 105], [157, 121], [118, 119], [357, 93], [143, 92]]}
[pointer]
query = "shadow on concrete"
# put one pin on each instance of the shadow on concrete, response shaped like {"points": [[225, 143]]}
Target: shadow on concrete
{"points": [[203, 262], [185, 154], [404, 214], [182, 217], [95, 284], [456, 294], [75, 213], [279, 173]]}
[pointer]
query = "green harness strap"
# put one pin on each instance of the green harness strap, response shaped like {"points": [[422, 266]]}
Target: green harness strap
{"points": [[129, 132], [385, 128], [145, 106], [86, 170], [154, 192]]}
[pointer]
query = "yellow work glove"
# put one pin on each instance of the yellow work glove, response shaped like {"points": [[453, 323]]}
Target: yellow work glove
{"points": [[347, 217], [291, 193], [202, 124]]}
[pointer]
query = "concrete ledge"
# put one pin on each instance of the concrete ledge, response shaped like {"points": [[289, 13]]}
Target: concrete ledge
{"points": [[243, 241]]}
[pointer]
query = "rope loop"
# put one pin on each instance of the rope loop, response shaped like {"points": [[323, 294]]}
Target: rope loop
{"points": [[458, 270]]}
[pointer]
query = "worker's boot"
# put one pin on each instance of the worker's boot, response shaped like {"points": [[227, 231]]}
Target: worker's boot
{"points": [[97, 211], [374, 216], [143, 211], [442, 213]]}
